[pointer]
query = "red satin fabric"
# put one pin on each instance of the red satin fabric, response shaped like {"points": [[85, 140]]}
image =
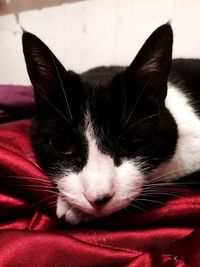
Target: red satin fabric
{"points": [[31, 235]]}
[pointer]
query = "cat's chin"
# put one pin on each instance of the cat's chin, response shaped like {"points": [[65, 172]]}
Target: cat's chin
{"points": [[75, 215], [71, 214]]}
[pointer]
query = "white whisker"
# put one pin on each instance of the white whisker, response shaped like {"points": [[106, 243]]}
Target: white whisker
{"points": [[41, 201], [34, 186], [49, 205], [158, 178], [124, 100], [151, 200], [142, 120], [62, 86], [137, 207], [51, 104], [27, 178], [162, 193]]}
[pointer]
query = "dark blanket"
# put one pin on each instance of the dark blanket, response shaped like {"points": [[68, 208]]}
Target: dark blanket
{"points": [[160, 234]]}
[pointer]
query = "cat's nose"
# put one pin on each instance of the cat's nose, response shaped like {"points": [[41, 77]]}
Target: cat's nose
{"points": [[100, 201]]}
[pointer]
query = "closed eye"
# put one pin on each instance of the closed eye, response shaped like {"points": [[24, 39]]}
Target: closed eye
{"points": [[64, 148], [128, 144]]}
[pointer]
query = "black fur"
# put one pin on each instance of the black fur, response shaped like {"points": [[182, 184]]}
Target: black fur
{"points": [[185, 75], [126, 106]]}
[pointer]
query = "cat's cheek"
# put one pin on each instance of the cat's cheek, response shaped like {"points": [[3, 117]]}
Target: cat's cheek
{"points": [[128, 183], [70, 184], [72, 192]]}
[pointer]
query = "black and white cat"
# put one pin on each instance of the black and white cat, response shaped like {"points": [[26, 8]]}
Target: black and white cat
{"points": [[102, 135]]}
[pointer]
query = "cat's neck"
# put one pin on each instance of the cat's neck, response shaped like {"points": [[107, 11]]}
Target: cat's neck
{"points": [[187, 154]]}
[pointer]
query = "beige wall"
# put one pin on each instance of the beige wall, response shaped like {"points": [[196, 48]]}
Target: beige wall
{"points": [[84, 34]]}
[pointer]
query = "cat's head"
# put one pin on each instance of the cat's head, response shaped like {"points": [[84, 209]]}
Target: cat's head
{"points": [[98, 135]]}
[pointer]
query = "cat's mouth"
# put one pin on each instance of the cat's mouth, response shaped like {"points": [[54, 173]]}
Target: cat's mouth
{"points": [[85, 207], [82, 204]]}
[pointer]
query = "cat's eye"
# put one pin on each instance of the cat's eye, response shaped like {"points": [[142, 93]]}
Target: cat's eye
{"points": [[136, 141], [128, 144], [60, 147], [128, 139]]}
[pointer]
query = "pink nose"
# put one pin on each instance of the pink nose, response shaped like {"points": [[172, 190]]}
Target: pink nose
{"points": [[100, 201]]}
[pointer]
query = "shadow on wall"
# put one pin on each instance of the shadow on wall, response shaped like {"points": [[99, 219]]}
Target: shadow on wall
{"points": [[16, 6]]}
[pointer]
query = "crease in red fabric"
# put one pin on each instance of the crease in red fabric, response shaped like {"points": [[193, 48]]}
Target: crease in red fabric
{"points": [[30, 234]]}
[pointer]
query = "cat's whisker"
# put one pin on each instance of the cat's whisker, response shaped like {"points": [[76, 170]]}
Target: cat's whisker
{"points": [[162, 193], [163, 189], [137, 100], [25, 177], [151, 200], [127, 211], [179, 182], [28, 158], [42, 191], [142, 91], [51, 104], [167, 184], [36, 165], [34, 186], [49, 205], [137, 207], [158, 178], [153, 193], [28, 178], [37, 204], [142, 120], [36, 190], [140, 203], [124, 100], [176, 185], [159, 189], [62, 86]]}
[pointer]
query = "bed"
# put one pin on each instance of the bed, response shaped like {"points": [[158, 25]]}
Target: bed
{"points": [[163, 232]]}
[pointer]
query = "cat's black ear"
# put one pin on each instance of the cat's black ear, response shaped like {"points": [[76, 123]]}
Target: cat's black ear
{"points": [[150, 68], [46, 73]]}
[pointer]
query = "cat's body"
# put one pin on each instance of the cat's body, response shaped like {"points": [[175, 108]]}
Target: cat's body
{"points": [[102, 136]]}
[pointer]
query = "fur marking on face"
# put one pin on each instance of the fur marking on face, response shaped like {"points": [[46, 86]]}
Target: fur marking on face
{"points": [[100, 179], [103, 135]]}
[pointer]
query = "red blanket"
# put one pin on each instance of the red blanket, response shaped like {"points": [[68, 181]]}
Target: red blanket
{"points": [[163, 234]]}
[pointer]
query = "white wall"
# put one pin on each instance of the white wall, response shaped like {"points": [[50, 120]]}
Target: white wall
{"points": [[84, 34]]}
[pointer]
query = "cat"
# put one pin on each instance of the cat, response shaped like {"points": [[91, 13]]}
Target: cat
{"points": [[102, 135]]}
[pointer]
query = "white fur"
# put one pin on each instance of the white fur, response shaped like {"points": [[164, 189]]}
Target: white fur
{"points": [[98, 174], [98, 178], [187, 155], [101, 177]]}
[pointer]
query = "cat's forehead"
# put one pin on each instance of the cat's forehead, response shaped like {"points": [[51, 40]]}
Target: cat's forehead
{"points": [[100, 77]]}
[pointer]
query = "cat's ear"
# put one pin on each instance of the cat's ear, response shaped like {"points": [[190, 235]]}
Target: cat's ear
{"points": [[46, 73], [150, 69]]}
